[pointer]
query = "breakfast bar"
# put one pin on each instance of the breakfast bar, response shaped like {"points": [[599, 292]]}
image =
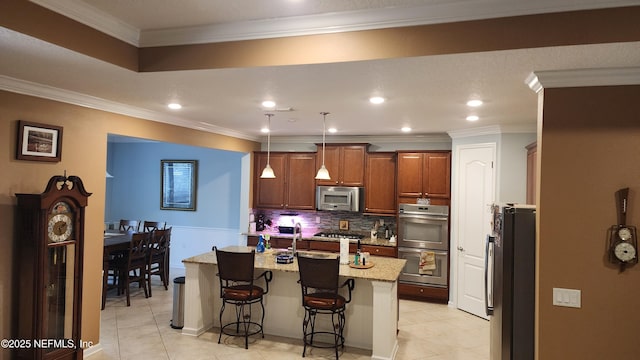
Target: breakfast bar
{"points": [[371, 317]]}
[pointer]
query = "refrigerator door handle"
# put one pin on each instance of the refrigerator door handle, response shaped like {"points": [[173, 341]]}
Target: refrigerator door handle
{"points": [[488, 287]]}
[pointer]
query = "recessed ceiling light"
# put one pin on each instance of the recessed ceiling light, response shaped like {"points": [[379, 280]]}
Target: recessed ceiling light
{"points": [[406, 129], [264, 130], [175, 106], [472, 118], [269, 104], [376, 100], [474, 103], [332, 130]]}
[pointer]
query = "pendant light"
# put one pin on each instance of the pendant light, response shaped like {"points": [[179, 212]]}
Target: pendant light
{"points": [[323, 173], [267, 173]]}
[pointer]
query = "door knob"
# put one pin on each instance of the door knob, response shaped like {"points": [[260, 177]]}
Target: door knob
{"points": [[460, 248]]}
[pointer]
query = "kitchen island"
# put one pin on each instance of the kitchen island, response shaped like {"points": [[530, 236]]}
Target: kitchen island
{"points": [[371, 317]]}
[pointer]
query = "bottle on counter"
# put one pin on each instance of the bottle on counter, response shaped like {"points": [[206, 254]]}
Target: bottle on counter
{"points": [[260, 247], [386, 231], [356, 258]]}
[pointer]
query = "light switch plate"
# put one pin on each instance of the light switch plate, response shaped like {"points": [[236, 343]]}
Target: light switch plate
{"points": [[567, 297]]}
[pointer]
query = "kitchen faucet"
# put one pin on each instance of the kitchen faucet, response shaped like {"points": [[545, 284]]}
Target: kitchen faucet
{"points": [[297, 232]]}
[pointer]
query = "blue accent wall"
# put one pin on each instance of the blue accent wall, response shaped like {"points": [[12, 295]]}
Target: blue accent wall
{"points": [[134, 191]]}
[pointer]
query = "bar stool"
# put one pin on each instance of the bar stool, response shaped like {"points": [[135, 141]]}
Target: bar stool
{"points": [[236, 273], [319, 281]]}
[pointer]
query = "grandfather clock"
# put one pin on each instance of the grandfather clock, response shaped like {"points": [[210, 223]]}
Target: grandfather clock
{"points": [[50, 246]]}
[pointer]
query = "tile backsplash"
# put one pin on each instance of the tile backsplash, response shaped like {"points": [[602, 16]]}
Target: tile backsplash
{"points": [[326, 220]]}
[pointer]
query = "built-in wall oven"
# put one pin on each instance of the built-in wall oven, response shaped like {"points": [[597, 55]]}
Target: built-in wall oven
{"points": [[423, 240]]}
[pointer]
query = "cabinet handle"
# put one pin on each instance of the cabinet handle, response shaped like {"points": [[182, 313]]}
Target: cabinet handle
{"points": [[421, 290]]}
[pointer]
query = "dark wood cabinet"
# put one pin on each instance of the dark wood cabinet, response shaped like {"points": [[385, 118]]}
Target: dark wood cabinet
{"points": [[418, 292], [279, 243], [424, 175], [380, 183], [345, 163], [50, 249], [294, 184]]}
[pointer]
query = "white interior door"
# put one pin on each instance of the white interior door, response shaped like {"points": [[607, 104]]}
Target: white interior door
{"points": [[476, 192]]}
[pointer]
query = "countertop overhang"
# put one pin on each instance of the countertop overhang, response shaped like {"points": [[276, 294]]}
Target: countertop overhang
{"points": [[386, 269]]}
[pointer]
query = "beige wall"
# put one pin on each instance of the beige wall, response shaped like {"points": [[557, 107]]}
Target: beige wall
{"points": [[84, 149], [590, 148]]}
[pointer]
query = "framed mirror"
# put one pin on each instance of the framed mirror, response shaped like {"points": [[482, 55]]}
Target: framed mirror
{"points": [[178, 185]]}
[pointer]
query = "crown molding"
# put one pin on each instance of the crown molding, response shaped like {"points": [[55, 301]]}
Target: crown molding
{"points": [[539, 80], [48, 92], [450, 11], [86, 14], [494, 130], [361, 139]]}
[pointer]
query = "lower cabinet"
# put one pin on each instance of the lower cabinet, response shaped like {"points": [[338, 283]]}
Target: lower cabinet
{"points": [[278, 243], [423, 293]]}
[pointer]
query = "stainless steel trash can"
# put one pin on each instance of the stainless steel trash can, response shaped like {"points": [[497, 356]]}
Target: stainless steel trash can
{"points": [[177, 321]]}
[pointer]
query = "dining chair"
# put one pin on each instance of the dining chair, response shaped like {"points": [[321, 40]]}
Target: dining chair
{"points": [[158, 257], [148, 226], [129, 225], [320, 285], [133, 268], [237, 287]]}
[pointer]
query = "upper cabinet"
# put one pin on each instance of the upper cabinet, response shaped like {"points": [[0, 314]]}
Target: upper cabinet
{"points": [[294, 184], [380, 183], [424, 175], [345, 163]]}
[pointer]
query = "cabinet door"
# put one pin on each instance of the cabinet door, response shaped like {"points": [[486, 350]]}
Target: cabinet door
{"points": [[352, 165], [380, 194], [300, 182], [269, 193], [436, 175], [410, 175], [331, 162]]}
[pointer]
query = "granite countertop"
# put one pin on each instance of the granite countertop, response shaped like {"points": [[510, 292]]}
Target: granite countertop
{"points": [[385, 269], [308, 235]]}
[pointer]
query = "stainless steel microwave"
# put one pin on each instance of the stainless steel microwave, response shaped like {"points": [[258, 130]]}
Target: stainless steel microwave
{"points": [[339, 198]]}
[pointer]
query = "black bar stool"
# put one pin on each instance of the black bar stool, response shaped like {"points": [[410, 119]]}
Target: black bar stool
{"points": [[237, 287], [319, 281]]}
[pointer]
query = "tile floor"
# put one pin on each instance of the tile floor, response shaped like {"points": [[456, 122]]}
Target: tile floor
{"points": [[427, 332]]}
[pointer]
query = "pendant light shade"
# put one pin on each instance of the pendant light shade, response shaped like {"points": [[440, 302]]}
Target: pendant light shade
{"points": [[323, 173], [267, 173]]}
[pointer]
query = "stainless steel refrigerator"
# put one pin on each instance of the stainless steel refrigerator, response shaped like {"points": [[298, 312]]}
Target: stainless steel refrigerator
{"points": [[510, 282]]}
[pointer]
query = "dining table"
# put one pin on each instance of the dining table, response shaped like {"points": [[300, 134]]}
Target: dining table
{"points": [[114, 242]]}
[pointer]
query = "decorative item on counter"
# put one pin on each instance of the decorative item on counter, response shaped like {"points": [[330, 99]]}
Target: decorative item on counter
{"points": [[260, 246], [392, 239], [374, 234]]}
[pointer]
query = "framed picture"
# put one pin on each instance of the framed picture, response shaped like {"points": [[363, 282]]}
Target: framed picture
{"points": [[178, 184], [344, 224], [39, 142]]}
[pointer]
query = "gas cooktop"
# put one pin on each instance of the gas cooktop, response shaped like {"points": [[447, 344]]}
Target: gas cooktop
{"points": [[339, 235]]}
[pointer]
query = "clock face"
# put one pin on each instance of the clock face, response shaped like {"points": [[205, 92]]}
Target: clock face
{"points": [[60, 225], [624, 234], [625, 252]]}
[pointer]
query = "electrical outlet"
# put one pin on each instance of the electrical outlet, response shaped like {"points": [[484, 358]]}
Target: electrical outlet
{"points": [[317, 219], [567, 297]]}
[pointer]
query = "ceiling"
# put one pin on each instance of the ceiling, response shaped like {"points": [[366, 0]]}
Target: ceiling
{"points": [[426, 93]]}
